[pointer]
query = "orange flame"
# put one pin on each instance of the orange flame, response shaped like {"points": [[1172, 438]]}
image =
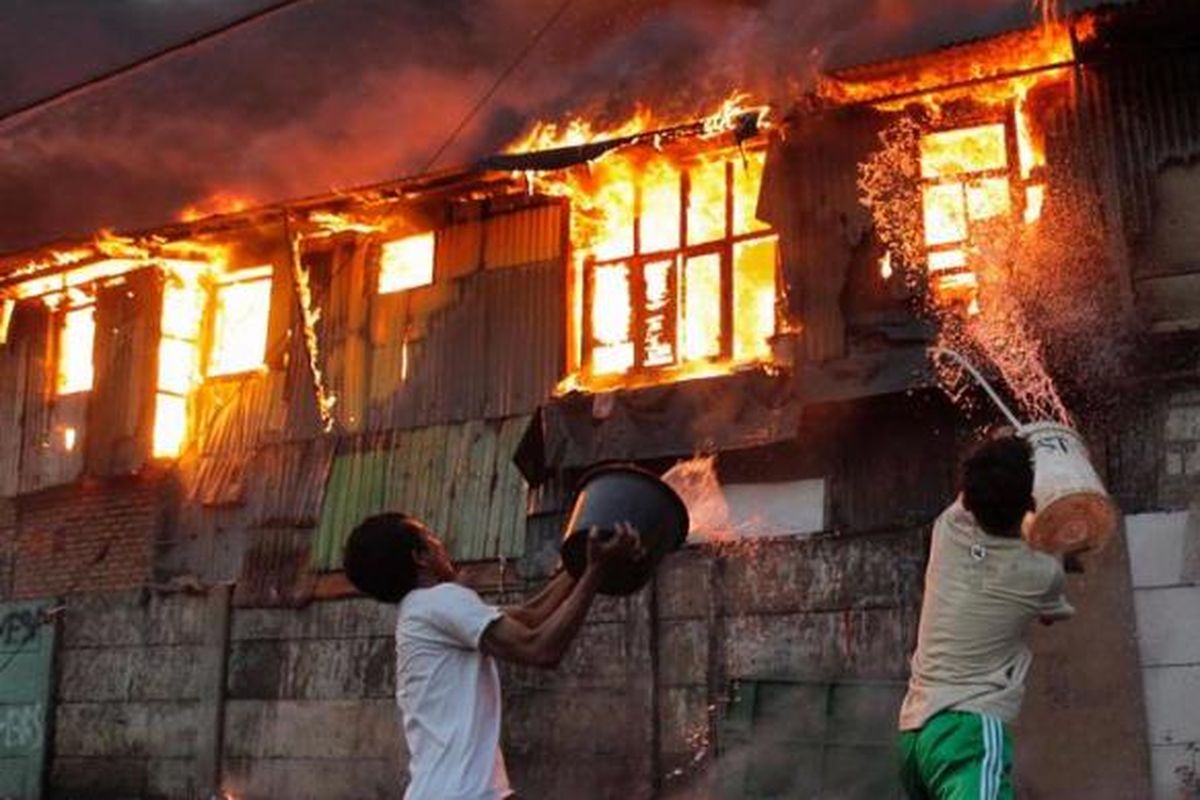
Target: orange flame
{"points": [[657, 232], [219, 203]]}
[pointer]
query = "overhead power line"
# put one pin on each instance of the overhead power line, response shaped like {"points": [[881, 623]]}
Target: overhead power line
{"points": [[133, 66], [500, 79]]}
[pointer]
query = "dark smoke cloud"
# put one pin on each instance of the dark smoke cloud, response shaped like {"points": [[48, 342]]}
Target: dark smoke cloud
{"points": [[336, 94]]}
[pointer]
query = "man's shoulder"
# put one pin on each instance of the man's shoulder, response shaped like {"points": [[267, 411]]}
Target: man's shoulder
{"points": [[444, 596]]}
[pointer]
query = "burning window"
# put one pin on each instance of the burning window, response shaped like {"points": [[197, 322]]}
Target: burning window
{"points": [[239, 332], [76, 337], [971, 176], [678, 273], [178, 362], [406, 263]]}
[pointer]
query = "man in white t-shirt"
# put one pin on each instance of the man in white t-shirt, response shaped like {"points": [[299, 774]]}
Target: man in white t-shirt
{"points": [[447, 640], [983, 587]]}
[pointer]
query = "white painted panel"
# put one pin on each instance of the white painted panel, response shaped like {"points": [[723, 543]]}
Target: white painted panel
{"points": [[1155, 547], [1173, 704], [1168, 625], [1170, 766], [772, 509]]}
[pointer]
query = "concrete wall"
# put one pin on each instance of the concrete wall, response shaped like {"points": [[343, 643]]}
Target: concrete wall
{"points": [[309, 710], [303, 699], [1168, 618], [133, 697]]}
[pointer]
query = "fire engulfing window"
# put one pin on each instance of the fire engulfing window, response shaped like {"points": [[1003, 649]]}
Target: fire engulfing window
{"points": [[76, 337], [681, 273], [406, 263], [178, 362], [970, 176], [239, 332]]}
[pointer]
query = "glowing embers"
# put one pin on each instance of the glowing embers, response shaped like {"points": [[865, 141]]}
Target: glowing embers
{"points": [[406, 263], [239, 331], [76, 339], [677, 276]]}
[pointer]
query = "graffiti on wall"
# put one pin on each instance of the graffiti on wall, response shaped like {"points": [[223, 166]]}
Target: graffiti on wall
{"points": [[21, 728]]}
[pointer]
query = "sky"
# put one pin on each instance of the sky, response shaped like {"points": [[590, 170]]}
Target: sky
{"points": [[329, 94]]}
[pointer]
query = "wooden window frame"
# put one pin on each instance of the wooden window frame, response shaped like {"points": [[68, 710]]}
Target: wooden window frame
{"points": [[636, 262]]}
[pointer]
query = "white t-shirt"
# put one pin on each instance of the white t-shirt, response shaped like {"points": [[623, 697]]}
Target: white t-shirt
{"points": [[981, 593], [449, 695]]}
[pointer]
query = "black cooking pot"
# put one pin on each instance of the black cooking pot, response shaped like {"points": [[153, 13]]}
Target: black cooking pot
{"points": [[624, 493]]}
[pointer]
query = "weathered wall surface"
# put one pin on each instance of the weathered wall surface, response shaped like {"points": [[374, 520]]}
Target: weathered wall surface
{"points": [[133, 695], [1167, 601], [96, 536], [309, 710]]}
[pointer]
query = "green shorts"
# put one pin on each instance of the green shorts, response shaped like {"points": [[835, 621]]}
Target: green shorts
{"points": [[957, 755]]}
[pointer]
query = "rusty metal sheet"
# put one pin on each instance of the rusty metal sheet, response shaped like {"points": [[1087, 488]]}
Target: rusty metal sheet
{"points": [[496, 352], [289, 481], [120, 417], [274, 568], [459, 478], [528, 236], [1143, 111]]}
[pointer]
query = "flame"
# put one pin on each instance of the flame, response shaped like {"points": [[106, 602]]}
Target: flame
{"points": [[406, 263], [310, 317], [76, 340], [219, 203], [961, 182], [666, 247], [885, 265], [988, 71], [327, 223]]}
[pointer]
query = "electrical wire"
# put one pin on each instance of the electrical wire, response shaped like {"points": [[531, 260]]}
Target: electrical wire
{"points": [[132, 66], [500, 80]]}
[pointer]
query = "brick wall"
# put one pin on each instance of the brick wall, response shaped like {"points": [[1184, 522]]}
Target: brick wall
{"points": [[91, 536]]}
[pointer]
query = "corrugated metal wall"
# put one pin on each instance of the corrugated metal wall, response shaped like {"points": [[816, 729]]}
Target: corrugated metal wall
{"points": [[460, 479], [1144, 110]]}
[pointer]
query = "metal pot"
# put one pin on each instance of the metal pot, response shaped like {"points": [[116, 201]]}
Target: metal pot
{"points": [[624, 493]]}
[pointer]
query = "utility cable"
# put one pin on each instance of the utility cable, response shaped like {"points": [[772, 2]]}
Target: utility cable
{"points": [[500, 80], [133, 66]]}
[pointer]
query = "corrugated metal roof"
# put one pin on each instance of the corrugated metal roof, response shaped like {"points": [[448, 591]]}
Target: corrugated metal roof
{"points": [[459, 479]]}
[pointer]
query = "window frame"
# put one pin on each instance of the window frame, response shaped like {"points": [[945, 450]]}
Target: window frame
{"points": [[636, 262], [1018, 186], [264, 273], [381, 246], [59, 333]]}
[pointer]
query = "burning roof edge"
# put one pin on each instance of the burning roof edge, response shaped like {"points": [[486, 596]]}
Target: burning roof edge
{"points": [[495, 173]]}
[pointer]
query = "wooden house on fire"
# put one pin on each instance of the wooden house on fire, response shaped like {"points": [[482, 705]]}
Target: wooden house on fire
{"points": [[192, 418]]}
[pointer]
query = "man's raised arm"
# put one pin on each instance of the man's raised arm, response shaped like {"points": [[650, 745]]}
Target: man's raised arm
{"points": [[544, 645]]}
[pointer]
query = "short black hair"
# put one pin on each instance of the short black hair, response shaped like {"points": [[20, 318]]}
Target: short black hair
{"points": [[378, 557], [997, 484]]}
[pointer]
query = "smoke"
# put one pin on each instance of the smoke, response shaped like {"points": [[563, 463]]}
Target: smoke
{"points": [[331, 95]]}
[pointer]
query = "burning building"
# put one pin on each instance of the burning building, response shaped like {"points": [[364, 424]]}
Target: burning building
{"points": [[197, 414]]}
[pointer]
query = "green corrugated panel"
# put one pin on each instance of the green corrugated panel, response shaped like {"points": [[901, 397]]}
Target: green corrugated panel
{"points": [[460, 479]]}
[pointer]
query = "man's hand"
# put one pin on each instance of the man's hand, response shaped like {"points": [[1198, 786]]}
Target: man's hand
{"points": [[624, 545]]}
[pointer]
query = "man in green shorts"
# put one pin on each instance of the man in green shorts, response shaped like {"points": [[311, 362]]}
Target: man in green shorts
{"points": [[982, 588]]}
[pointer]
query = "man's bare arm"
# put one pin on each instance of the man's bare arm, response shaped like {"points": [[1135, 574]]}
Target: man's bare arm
{"points": [[537, 609], [509, 639]]}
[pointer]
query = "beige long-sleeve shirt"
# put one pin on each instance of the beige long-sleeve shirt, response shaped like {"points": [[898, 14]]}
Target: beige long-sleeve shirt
{"points": [[981, 592]]}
